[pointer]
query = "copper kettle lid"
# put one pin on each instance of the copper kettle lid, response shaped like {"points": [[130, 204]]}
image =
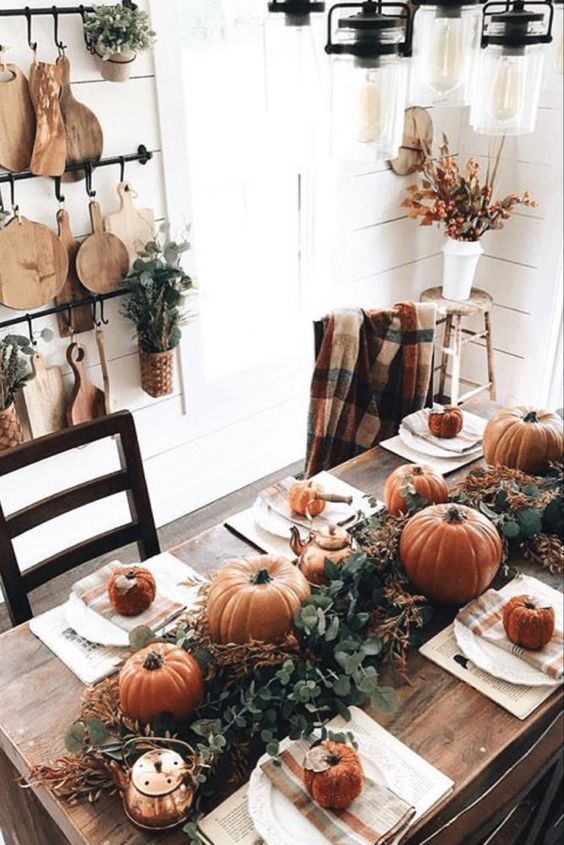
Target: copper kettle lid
{"points": [[332, 538], [158, 772]]}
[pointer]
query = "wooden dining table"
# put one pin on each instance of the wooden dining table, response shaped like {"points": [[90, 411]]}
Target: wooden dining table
{"points": [[499, 764]]}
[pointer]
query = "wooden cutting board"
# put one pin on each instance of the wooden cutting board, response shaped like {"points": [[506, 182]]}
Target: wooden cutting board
{"points": [[17, 121], [109, 400], [73, 290], [85, 140], [50, 147], [33, 264], [135, 227], [44, 399], [87, 401], [102, 261]]}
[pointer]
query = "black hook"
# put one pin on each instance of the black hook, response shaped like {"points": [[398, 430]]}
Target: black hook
{"points": [[29, 320], [61, 46], [69, 320], [121, 169], [58, 194], [89, 169], [12, 182], [32, 44], [103, 320]]}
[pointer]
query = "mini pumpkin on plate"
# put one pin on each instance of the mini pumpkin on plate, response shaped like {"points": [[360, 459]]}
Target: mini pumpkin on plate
{"points": [[446, 422], [307, 498], [333, 775], [131, 591], [526, 623]]}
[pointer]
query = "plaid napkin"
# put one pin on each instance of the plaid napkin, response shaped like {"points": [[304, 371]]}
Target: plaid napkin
{"points": [[465, 441], [276, 497], [377, 817], [93, 591], [483, 617]]}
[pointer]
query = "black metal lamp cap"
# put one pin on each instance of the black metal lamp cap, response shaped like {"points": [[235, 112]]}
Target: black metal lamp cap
{"points": [[515, 27], [295, 7]]}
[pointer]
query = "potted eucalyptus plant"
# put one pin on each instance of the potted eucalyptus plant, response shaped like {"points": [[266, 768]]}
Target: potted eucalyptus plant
{"points": [[116, 34], [157, 286], [13, 375]]}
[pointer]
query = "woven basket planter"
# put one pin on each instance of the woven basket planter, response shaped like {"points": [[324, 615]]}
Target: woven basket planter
{"points": [[157, 369], [10, 429], [117, 68]]}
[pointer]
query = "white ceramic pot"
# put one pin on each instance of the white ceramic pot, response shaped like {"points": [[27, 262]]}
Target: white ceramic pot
{"points": [[118, 67], [459, 268]]}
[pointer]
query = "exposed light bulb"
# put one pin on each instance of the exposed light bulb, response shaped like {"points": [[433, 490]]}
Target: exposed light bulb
{"points": [[507, 92], [445, 66], [374, 108]]}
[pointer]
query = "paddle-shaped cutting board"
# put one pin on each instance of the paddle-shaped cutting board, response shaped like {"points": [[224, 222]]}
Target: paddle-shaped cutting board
{"points": [[85, 140], [102, 261], [50, 147], [109, 400], [73, 290], [44, 399], [87, 402], [135, 227], [33, 264], [17, 120]]}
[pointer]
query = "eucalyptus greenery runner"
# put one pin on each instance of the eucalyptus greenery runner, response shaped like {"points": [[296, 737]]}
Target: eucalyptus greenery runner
{"points": [[364, 619]]}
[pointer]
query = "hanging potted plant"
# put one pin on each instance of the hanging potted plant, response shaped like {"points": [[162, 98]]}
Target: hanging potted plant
{"points": [[13, 375], [157, 286], [116, 34], [460, 202]]}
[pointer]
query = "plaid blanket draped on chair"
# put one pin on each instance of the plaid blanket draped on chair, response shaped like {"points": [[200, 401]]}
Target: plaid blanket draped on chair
{"points": [[373, 368]]}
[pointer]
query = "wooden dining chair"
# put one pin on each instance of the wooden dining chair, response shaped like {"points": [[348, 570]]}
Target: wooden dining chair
{"points": [[129, 479]]}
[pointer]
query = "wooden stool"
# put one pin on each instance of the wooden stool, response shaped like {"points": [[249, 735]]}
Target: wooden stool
{"points": [[451, 312]]}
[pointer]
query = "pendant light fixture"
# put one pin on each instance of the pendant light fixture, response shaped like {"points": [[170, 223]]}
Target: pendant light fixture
{"points": [[509, 77], [368, 78], [446, 46], [293, 38]]}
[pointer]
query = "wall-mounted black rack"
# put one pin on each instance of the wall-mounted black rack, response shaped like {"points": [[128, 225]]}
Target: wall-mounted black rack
{"points": [[65, 308], [143, 155], [27, 11]]}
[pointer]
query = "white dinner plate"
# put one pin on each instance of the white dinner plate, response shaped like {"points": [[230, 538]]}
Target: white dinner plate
{"points": [[426, 448], [275, 817], [498, 662]]}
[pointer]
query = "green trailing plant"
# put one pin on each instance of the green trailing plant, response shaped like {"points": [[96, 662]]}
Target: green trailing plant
{"points": [[13, 368], [157, 285], [118, 29]]}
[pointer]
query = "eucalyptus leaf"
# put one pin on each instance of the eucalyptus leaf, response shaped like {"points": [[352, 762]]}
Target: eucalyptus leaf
{"points": [[140, 637], [75, 738]]}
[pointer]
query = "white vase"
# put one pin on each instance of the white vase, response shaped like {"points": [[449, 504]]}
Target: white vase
{"points": [[118, 67], [459, 268]]}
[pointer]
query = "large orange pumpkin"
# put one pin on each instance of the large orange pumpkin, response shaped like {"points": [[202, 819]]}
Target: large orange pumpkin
{"points": [[524, 438], [333, 775], [160, 678], [428, 483], [451, 553], [255, 599], [527, 623]]}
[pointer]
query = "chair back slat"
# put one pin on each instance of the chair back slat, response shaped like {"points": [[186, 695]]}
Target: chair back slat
{"points": [[129, 479], [78, 554], [66, 501]]}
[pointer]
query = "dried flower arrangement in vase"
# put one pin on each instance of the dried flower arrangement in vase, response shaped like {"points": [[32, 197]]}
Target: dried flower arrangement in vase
{"points": [[13, 376], [116, 34]]}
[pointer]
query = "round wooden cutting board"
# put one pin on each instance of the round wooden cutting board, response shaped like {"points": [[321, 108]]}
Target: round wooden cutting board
{"points": [[33, 264], [102, 261]]}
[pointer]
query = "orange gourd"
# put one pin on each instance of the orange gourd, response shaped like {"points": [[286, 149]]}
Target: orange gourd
{"points": [[524, 438], [302, 498], [447, 422], [131, 590], [451, 553], [333, 775], [428, 483], [161, 678], [255, 599], [526, 623]]}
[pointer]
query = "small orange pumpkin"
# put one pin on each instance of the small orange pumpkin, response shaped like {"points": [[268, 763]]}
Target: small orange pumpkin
{"points": [[333, 775], [447, 422], [131, 590], [524, 438], [451, 553], [255, 599], [526, 623], [160, 678], [303, 498], [428, 483]]}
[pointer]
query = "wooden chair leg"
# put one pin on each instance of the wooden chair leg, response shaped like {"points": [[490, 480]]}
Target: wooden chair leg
{"points": [[444, 355], [489, 352], [456, 360]]}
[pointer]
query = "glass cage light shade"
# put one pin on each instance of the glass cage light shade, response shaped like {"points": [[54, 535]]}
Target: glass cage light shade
{"points": [[446, 47]]}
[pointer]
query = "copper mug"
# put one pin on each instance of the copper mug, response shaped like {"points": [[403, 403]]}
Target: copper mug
{"points": [[157, 790]]}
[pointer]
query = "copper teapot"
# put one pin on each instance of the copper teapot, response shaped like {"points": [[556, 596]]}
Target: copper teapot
{"points": [[328, 543], [157, 790]]}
